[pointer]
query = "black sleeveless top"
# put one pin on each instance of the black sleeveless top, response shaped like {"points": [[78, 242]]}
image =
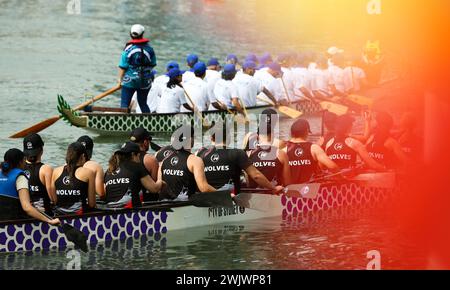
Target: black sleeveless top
{"points": [[38, 191], [341, 153], [224, 166], [265, 159], [301, 161], [126, 180], [175, 173], [328, 136], [72, 194], [164, 152], [380, 153]]}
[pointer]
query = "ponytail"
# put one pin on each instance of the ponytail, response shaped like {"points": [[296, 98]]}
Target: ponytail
{"points": [[74, 153], [116, 159]]}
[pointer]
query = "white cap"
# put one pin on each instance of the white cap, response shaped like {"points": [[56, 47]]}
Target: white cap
{"points": [[137, 30], [334, 50]]}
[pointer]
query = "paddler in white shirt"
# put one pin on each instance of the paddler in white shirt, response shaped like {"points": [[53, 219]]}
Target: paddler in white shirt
{"points": [[212, 76], [196, 88], [226, 92], [248, 86], [191, 60], [271, 79]]}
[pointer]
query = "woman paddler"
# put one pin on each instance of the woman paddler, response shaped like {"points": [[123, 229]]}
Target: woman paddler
{"points": [[136, 69], [14, 194]]}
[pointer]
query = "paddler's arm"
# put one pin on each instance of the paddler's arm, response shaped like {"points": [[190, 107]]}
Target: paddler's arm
{"points": [[45, 175], [270, 95], [24, 198], [90, 176], [237, 105], [188, 107], [151, 164], [323, 159], [197, 167], [121, 74], [151, 185], [261, 180], [123, 66], [286, 171]]}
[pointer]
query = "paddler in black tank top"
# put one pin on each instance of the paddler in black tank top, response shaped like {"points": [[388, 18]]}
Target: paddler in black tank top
{"points": [[345, 150], [182, 171], [142, 137], [72, 184], [39, 174], [126, 176], [223, 166], [88, 143], [382, 146], [305, 157], [270, 160], [329, 127], [409, 140]]}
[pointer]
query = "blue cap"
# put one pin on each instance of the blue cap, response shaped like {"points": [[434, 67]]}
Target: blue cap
{"points": [[249, 64], [274, 66], [229, 68], [265, 58], [175, 72], [232, 56], [251, 57], [213, 61], [192, 59], [199, 68], [171, 65]]}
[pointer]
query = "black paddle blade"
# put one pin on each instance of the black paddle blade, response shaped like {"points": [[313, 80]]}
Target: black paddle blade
{"points": [[75, 236], [212, 199]]}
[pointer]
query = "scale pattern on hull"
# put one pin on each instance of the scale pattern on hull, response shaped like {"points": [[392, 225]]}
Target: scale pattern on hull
{"points": [[38, 236]]}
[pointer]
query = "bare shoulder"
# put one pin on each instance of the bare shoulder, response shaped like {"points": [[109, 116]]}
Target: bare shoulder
{"points": [[93, 165], [150, 158], [58, 171]]}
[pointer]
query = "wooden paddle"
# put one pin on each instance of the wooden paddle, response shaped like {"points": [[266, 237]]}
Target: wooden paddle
{"points": [[48, 122], [72, 234], [291, 113]]}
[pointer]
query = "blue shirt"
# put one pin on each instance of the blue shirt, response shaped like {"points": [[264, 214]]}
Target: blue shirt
{"points": [[138, 61]]}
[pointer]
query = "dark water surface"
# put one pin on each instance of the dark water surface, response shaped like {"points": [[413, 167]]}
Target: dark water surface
{"points": [[46, 52]]}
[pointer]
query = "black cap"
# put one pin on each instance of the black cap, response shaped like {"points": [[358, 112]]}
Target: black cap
{"points": [[88, 143], [139, 135], [300, 128], [32, 144], [129, 147]]}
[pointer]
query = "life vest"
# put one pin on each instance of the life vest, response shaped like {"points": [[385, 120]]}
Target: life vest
{"points": [[302, 163], [341, 153], [8, 183], [264, 158], [10, 207]]}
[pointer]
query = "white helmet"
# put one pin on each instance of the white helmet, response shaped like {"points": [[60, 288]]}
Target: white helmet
{"points": [[137, 30]]}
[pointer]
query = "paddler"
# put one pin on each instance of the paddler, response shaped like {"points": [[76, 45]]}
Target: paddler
{"points": [[212, 76], [14, 190], [173, 98], [182, 171], [249, 87], [382, 146], [136, 69], [304, 156], [88, 143], [329, 127], [223, 165], [142, 137], [126, 176], [191, 60], [39, 174], [196, 88], [72, 184], [409, 140], [269, 159], [344, 150], [271, 79], [226, 92]]}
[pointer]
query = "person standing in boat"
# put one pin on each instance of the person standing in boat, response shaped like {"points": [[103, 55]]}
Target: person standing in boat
{"points": [[72, 184], [88, 143], [268, 158], [15, 200], [125, 178], [142, 138], [305, 158], [196, 89], [39, 174], [136, 69], [226, 92], [182, 171], [249, 87], [344, 150], [223, 165], [172, 95]]}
